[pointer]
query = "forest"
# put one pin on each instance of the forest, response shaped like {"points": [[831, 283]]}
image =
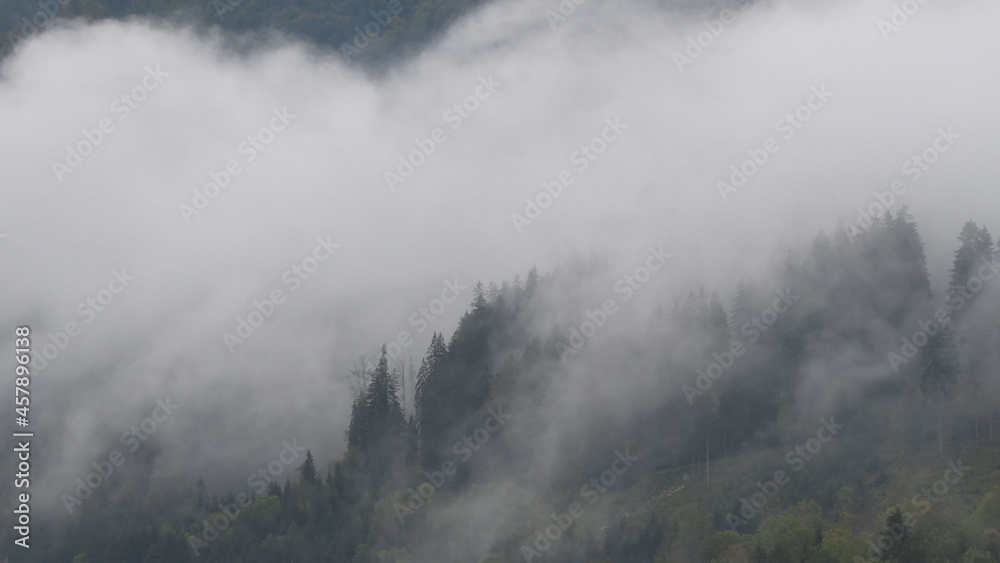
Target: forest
{"points": [[374, 32], [837, 411]]}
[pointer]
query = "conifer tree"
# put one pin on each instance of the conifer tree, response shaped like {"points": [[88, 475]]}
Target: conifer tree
{"points": [[308, 469], [432, 386], [383, 419], [966, 257], [938, 373], [718, 323]]}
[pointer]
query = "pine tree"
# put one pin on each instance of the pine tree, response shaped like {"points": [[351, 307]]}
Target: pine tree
{"points": [[432, 386], [273, 488], [531, 285], [896, 528], [938, 373], [984, 243], [901, 263], [344, 485], [384, 419], [357, 434], [308, 469], [360, 377], [718, 323], [739, 309], [975, 326], [965, 257], [694, 310], [479, 302]]}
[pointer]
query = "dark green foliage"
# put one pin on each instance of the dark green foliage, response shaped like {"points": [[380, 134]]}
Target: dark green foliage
{"points": [[331, 24], [851, 295], [938, 365], [308, 469], [377, 424]]}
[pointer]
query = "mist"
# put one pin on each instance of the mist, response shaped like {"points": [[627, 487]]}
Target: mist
{"points": [[323, 185]]}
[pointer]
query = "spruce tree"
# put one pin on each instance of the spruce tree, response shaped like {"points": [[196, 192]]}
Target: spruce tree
{"points": [[432, 387], [718, 323], [938, 374], [965, 257], [383, 420], [308, 469]]}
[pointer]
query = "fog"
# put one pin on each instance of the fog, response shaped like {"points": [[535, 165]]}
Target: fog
{"points": [[544, 90]]}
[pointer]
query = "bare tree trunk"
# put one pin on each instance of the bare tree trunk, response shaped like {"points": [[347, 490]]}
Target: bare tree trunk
{"points": [[402, 385], [706, 461], [940, 430]]}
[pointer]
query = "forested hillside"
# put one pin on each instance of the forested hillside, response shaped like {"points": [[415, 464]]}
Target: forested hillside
{"points": [[500, 281], [361, 31], [837, 411]]}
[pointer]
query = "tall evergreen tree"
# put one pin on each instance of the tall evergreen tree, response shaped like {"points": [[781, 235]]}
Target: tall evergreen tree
{"points": [[357, 434], [479, 301], [967, 256], [384, 420], [938, 373], [531, 284], [718, 323], [308, 469], [432, 386], [739, 309]]}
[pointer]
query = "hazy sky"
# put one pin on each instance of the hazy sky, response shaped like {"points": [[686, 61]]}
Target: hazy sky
{"points": [[680, 125]]}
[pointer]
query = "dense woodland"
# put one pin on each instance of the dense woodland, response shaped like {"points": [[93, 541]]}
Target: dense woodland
{"points": [[394, 27], [907, 425]]}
